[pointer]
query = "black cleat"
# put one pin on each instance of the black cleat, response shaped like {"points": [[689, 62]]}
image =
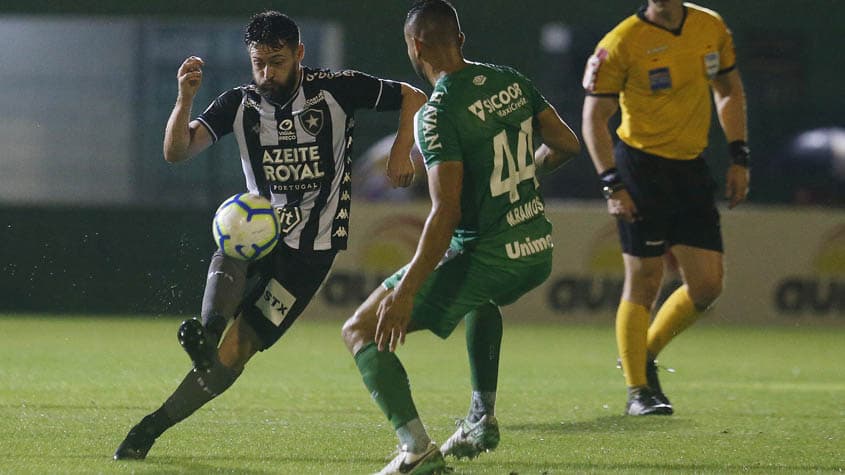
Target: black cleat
{"points": [[644, 403], [137, 443], [200, 347], [654, 382]]}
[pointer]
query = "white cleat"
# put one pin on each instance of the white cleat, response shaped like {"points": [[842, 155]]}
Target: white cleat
{"points": [[428, 462], [472, 439]]}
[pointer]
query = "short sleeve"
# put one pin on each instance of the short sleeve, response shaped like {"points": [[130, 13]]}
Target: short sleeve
{"points": [[727, 51], [605, 72], [536, 99], [219, 117], [356, 90], [436, 136]]}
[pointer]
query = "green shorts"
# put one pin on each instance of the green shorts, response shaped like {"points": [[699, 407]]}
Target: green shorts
{"points": [[462, 282]]}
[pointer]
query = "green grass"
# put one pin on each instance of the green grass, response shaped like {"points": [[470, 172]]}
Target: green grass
{"points": [[761, 400]]}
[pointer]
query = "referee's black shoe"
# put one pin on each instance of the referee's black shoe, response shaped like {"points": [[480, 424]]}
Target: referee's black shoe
{"points": [[642, 402], [654, 382], [138, 442], [200, 347]]}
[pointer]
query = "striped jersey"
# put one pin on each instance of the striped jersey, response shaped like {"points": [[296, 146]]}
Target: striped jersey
{"points": [[297, 154], [662, 78], [482, 115]]}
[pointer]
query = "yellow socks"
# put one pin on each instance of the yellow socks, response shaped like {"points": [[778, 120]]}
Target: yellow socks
{"points": [[676, 314], [631, 329]]}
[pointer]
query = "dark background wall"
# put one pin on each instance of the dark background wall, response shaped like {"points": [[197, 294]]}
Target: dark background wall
{"points": [[136, 260], [789, 54]]}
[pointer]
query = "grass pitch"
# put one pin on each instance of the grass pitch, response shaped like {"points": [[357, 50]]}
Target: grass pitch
{"points": [[758, 400]]}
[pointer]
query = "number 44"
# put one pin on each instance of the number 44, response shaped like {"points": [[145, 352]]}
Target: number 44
{"points": [[520, 167]]}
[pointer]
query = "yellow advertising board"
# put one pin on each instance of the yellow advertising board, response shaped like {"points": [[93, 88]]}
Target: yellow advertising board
{"points": [[783, 265]]}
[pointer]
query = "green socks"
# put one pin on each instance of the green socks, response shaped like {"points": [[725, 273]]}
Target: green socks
{"points": [[388, 384], [484, 342]]}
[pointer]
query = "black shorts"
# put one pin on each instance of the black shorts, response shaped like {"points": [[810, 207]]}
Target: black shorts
{"points": [[280, 286], [675, 200]]}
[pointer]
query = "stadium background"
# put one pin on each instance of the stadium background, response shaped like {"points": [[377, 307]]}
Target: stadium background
{"points": [[93, 221]]}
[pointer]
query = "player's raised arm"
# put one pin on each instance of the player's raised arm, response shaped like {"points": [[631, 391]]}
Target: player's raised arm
{"points": [[400, 168], [560, 144], [183, 140]]}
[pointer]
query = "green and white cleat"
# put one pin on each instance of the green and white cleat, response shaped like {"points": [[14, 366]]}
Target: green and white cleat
{"points": [[429, 462], [472, 439]]}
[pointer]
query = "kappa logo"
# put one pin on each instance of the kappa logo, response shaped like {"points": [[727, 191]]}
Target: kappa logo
{"points": [[311, 121], [479, 80], [250, 103]]}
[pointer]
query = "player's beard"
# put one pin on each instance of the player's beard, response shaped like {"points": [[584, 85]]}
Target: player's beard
{"points": [[282, 90]]}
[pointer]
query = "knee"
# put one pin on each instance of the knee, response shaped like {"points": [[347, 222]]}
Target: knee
{"points": [[354, 333], [705, 291], [643, 284]]}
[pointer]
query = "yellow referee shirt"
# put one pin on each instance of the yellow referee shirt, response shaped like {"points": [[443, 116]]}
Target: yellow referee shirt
{"points": [[663, 79]]}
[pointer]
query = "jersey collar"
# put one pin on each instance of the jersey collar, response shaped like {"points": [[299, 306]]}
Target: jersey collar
{"points": [[676, 32]]}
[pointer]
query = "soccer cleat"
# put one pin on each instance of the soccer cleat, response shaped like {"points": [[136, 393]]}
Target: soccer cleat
{"points": [[472, 438], [644, 403], [195, 340], [428, 462], [654, 382], [138, 442]]}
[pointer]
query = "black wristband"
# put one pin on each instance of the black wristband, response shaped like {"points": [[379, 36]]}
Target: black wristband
{"points": [[610, 182], [610, 177], [740, 153]]}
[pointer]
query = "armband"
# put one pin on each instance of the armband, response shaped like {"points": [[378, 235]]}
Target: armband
{"points": [[740, 153]]}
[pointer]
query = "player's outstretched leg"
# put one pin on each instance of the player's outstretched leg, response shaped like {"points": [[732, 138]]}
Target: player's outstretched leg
{"points": [[224, 291], [198, 344], [142, 436], [197, 388]]}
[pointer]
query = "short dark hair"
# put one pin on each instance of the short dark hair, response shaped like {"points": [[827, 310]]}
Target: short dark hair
{"points": [[439, 17], [437, 9], [272, 28]]}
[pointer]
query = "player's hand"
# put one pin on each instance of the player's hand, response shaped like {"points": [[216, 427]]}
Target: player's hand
{"points": [[394, 314], [620, 205], [190, 76], [400, 169], [736, 185]]}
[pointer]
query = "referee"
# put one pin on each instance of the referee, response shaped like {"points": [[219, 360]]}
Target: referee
{"points": [[659, 67]]}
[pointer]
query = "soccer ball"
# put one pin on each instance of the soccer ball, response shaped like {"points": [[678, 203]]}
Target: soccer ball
{"points": [[245, 227]]}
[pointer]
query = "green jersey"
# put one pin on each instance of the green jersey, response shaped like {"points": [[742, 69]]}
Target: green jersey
{"points": [[482, 116]]}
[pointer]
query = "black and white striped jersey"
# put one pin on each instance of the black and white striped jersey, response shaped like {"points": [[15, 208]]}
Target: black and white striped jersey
{"points": [[297, 154]]}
